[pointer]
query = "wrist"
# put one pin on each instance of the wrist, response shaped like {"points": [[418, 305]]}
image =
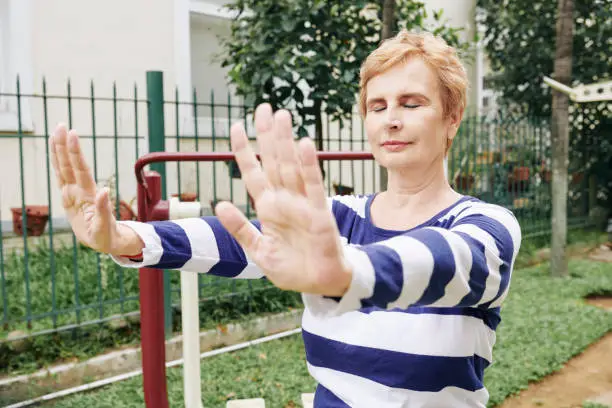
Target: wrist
{"points": [[129, 243], [345, 278]]}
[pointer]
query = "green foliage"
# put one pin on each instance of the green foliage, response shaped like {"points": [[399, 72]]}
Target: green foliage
{"points": [[305, 55], [520, 45], [222, 301], [98, 280], [594, 405], [545, 323], [38, 352]]}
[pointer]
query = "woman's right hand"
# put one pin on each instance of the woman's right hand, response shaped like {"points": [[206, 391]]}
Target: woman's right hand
{"points": [[89, 211]]}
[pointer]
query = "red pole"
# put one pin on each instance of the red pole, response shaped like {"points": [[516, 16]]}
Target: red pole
{"points": [[152, 208], [151, 283]]}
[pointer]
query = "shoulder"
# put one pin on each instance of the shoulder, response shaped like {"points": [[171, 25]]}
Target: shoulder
{"points": [[475, 206], [495, 219]]}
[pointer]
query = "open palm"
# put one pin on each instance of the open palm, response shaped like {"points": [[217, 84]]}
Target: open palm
{"points": [[88, 209], [299, 247]]}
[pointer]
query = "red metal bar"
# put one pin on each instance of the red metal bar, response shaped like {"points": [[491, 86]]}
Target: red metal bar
{"points": [[150, 208], [151, 283], [226, 156]]}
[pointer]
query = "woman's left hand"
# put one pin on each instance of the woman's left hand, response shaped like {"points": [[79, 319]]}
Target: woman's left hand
{"points": [[299, 247]]}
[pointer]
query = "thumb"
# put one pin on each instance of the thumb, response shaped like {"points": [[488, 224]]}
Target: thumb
{"points": [[104, 212], [238, 225]]}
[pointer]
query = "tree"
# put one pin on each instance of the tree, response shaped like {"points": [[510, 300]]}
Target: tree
{"points": [[560, 136], [305, 55], [519, 42], [388, 25], [388, 19], [520, 47]]}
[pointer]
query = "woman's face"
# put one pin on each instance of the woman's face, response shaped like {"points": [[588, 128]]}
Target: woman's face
{"points": [[404, 119]]}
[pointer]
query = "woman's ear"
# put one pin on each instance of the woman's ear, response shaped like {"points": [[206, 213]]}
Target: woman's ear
{"points": [[454, 121]]}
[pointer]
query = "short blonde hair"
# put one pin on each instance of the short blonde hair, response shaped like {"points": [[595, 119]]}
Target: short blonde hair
{"points": [[434, 51]]}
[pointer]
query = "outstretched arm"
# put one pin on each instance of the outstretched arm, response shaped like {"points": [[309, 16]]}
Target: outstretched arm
{"points": [[469, 265], [200, 245]]}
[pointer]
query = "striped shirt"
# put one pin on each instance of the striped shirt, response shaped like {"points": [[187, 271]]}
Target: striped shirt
{"points": [[416, 327]]}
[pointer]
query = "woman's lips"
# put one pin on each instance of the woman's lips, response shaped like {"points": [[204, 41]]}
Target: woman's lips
{"points": [[394, 145]]}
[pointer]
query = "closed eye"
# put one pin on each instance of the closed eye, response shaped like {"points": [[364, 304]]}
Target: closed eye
{"points": [[379, 108], [410, 106]]}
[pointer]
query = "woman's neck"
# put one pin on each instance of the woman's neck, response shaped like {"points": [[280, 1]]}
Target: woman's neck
{"points": [[408, 189]]}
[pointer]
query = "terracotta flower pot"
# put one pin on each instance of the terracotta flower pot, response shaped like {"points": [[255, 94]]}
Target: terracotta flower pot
{"points": [[125, 211], [518, 180], [37, 217], [187, 197], [577, 177], [521, 173], [464, 181]]}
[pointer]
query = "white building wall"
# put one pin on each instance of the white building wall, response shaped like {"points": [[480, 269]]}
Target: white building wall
{"points": [[461, 13], [109, 42]]}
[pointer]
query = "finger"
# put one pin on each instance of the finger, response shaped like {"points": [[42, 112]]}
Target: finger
{"points": [[54, 160], [61, 148], [238, 226], [253, 176], [313, 180], [264, 128], [81, 170], [104, 207], [103, 219], [286, 153]]}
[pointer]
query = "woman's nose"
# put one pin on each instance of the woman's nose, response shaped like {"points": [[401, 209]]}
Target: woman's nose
{"points": [[394, 124]]}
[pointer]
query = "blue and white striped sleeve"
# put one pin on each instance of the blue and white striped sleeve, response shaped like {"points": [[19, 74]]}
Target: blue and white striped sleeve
{"points": [[468, 265], [200, 245]]}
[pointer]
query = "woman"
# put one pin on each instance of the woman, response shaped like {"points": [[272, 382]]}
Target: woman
{"points": [[402, 289]]}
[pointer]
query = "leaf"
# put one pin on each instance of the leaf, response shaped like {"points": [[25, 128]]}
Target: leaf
{"points": [[321, 43], [302, 132], [348, 75], [288, 24], [283, 92]]}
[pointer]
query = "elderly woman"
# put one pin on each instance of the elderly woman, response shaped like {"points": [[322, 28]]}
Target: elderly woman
{"points": [[402, 289]]}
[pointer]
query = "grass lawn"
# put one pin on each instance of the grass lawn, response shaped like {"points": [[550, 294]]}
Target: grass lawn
{"points": [[79, 285], [99, 280], [545, 323]]}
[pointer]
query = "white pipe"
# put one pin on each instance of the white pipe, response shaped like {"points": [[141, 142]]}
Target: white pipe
{"points": [[183, 209], [560, 87], [190, 304], [111, 380], [191, 340]]}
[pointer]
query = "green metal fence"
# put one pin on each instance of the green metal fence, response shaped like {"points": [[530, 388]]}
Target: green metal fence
{"points": [[51, 283]]}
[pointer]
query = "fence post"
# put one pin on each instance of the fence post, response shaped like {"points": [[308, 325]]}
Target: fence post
{"points": [[157, 143]]}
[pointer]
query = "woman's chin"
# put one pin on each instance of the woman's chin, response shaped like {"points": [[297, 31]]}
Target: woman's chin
{"points": [[399, 162]]}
